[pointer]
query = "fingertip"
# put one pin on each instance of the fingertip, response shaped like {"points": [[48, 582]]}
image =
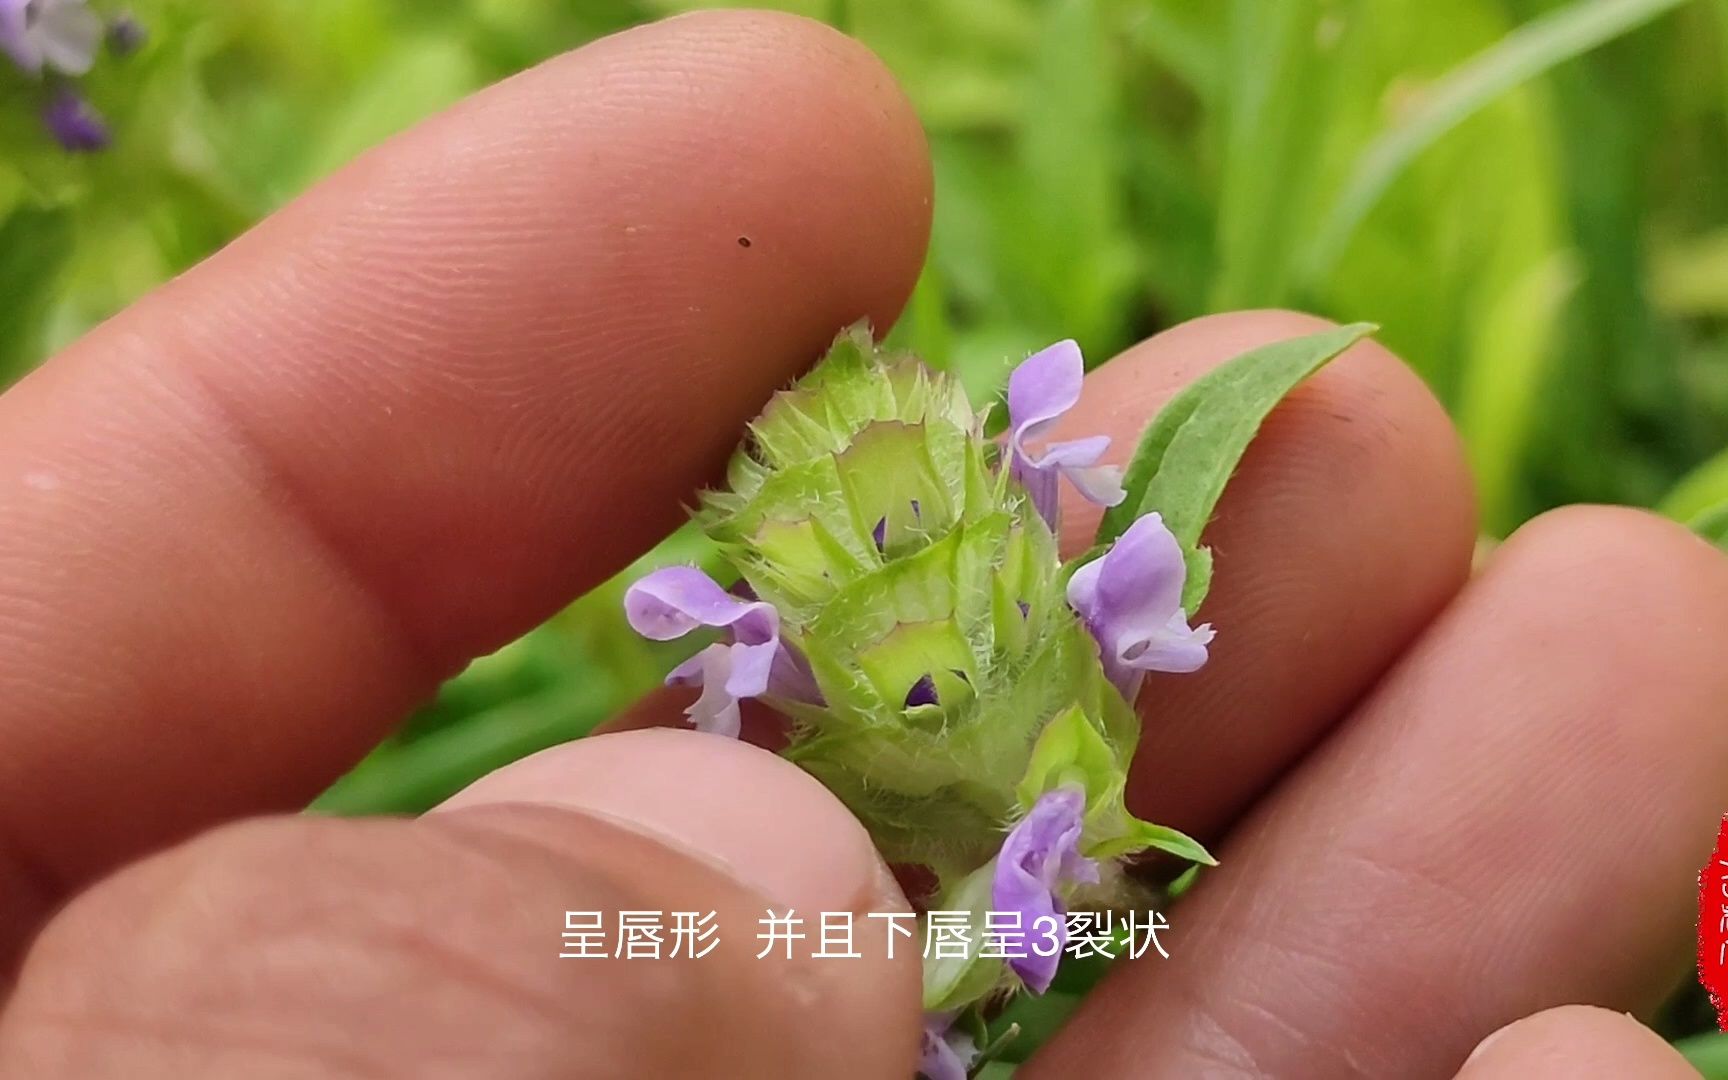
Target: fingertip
{"points": [[1622, 542], [842, 107], [762, 819], [1575, 1042]]}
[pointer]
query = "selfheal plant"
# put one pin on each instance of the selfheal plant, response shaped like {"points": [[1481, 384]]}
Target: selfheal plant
{"points": [[966, 692]]}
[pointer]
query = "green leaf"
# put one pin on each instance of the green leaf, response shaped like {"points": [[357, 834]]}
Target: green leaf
{"points": [[34, 247], [1144, 834], [1529, 51], [1704, 488], [1712, 525], [1190, 449], [1707, 1053], [952, 982], [1500, 400]]}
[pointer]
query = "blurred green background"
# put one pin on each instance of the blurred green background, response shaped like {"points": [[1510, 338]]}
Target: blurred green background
{"points": [[1530, 196]]}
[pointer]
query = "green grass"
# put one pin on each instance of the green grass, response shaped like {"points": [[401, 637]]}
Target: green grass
{"points": [[1527, 195]]}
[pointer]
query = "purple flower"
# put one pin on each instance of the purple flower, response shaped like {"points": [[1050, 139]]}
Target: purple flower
{"points": [[673, 601], [73, 123], [61, 35], [946, 1053], [1044, 386], [126, 35], [923, 692], [1041, 854], [1131, 600]]}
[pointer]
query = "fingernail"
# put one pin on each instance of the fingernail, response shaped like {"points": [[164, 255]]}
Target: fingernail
{"points": [[758, 817]]}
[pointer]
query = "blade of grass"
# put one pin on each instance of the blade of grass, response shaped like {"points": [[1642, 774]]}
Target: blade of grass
{"points": [[1525, 53], [34, 247], [1702, 488], [414, 777], [1712, 525], [1707, 1053], [1503, 377], [1272, 104]]}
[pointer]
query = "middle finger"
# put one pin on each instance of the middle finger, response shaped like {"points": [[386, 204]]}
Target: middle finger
{"points": [[1513, 820]]}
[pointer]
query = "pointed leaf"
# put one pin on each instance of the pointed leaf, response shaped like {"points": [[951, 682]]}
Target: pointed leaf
{"points": [[1190, 449], [1712, 525]]}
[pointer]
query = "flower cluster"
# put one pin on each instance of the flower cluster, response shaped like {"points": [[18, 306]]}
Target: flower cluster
{"points": [[904, 604], [56, 42]]}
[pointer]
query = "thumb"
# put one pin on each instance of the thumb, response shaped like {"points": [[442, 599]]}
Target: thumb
{"points": [[430, 948], [1576, 1042]]}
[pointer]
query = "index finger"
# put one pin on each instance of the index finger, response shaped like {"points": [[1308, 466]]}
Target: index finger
{"points": [[254, 519]]}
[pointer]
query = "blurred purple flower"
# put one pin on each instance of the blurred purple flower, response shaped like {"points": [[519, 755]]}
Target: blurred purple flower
{"points": [[673, 601], [1041, 854], [1044, 386], [126, 35], [1131, 601], [73, 123], [59, 35], [946, 1053]]}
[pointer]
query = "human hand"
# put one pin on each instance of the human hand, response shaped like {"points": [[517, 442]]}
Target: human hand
{"points": [[257, 517]]}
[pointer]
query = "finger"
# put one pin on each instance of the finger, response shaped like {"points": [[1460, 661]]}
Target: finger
{"points": [[1576, 1042], [1513, 820], [253, 520], [318, 947], [1347, 527], [1350, 522]]}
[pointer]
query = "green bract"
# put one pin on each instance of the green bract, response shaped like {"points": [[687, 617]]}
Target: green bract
{"points": [[965, 587]]}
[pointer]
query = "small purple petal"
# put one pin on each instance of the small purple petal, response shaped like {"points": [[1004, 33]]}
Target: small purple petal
{"points": [[673, 601], [126, 35], [715, 710], [1040, 855], [946, 1054], [1131, 601], [64, 35], [15, 39], [923, 692], [792, 679], [73, 123], [1046, 385]]}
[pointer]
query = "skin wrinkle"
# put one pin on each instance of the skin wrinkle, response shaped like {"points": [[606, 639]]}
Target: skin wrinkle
{"points": [[452, 360], [1497, 797], [333, 1058], [377, 930], [280, 499]]}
